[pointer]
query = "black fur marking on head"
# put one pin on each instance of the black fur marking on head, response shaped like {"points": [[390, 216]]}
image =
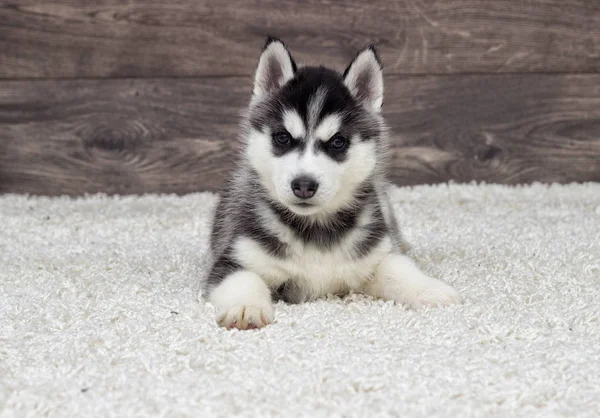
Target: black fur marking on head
{"points": [[299, 91], [338, 155], [279, 149]]}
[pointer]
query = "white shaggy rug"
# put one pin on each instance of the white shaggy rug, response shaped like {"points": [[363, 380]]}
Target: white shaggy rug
{"points": [[99, 315]]}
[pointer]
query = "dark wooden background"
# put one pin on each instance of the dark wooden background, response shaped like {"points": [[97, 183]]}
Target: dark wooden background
{"points": [[142, 96]]}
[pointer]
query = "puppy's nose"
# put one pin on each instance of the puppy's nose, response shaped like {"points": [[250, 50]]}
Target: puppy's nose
{"points": [[304, 187]]}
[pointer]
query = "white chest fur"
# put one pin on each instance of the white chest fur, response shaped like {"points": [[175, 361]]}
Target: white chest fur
{"points": [[317, 271]]}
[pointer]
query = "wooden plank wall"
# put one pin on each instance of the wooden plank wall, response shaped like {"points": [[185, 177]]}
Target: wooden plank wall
{"points": [[142, 96]]}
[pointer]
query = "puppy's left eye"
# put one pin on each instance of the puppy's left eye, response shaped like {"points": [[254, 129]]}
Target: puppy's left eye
{"points": [[282, 138], [338, 142]]}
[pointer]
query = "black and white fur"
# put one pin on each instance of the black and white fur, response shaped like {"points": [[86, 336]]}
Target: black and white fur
{"points": [[306, 212]]}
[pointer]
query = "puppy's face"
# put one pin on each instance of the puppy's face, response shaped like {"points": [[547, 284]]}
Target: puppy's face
{"points": [[313, 132]]}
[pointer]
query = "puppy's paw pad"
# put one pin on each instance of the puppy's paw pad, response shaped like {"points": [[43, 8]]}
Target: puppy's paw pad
{"points": [[246, 317], [438, 294]]}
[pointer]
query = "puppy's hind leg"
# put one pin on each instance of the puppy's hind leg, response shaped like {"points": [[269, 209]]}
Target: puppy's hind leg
{"points": [[398, 278], [243, 301]]}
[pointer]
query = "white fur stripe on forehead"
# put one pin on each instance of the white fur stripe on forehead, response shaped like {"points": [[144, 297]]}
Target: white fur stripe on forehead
{"points": [[275, 68], [293, 124], [315, 105], [328, 127], [364, 79]]}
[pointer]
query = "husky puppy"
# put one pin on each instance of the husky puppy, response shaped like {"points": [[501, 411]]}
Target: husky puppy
{"points": [[306, 212]]}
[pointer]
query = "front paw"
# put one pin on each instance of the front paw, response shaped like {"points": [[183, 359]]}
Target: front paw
{"points": [[243, 301], [398, 278], [435, 293], [246, 317]]}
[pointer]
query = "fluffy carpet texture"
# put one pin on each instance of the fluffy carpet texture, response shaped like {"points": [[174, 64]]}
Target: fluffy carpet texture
{"points": [[99, 314]]}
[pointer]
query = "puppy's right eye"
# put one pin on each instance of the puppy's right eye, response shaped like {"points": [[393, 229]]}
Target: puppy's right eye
{"points": [[282, 138]]}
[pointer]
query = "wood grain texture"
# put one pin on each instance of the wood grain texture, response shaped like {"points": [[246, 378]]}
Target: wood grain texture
{"points": [[117, 136], [179, 135], [498, 129], [112, 38]]}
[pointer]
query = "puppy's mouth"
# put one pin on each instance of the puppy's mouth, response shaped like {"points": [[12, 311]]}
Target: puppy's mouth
{"points": [[304, 208]]}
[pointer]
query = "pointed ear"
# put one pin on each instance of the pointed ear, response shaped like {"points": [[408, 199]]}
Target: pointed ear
{"points": [[275, 68], [364, 78]]}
